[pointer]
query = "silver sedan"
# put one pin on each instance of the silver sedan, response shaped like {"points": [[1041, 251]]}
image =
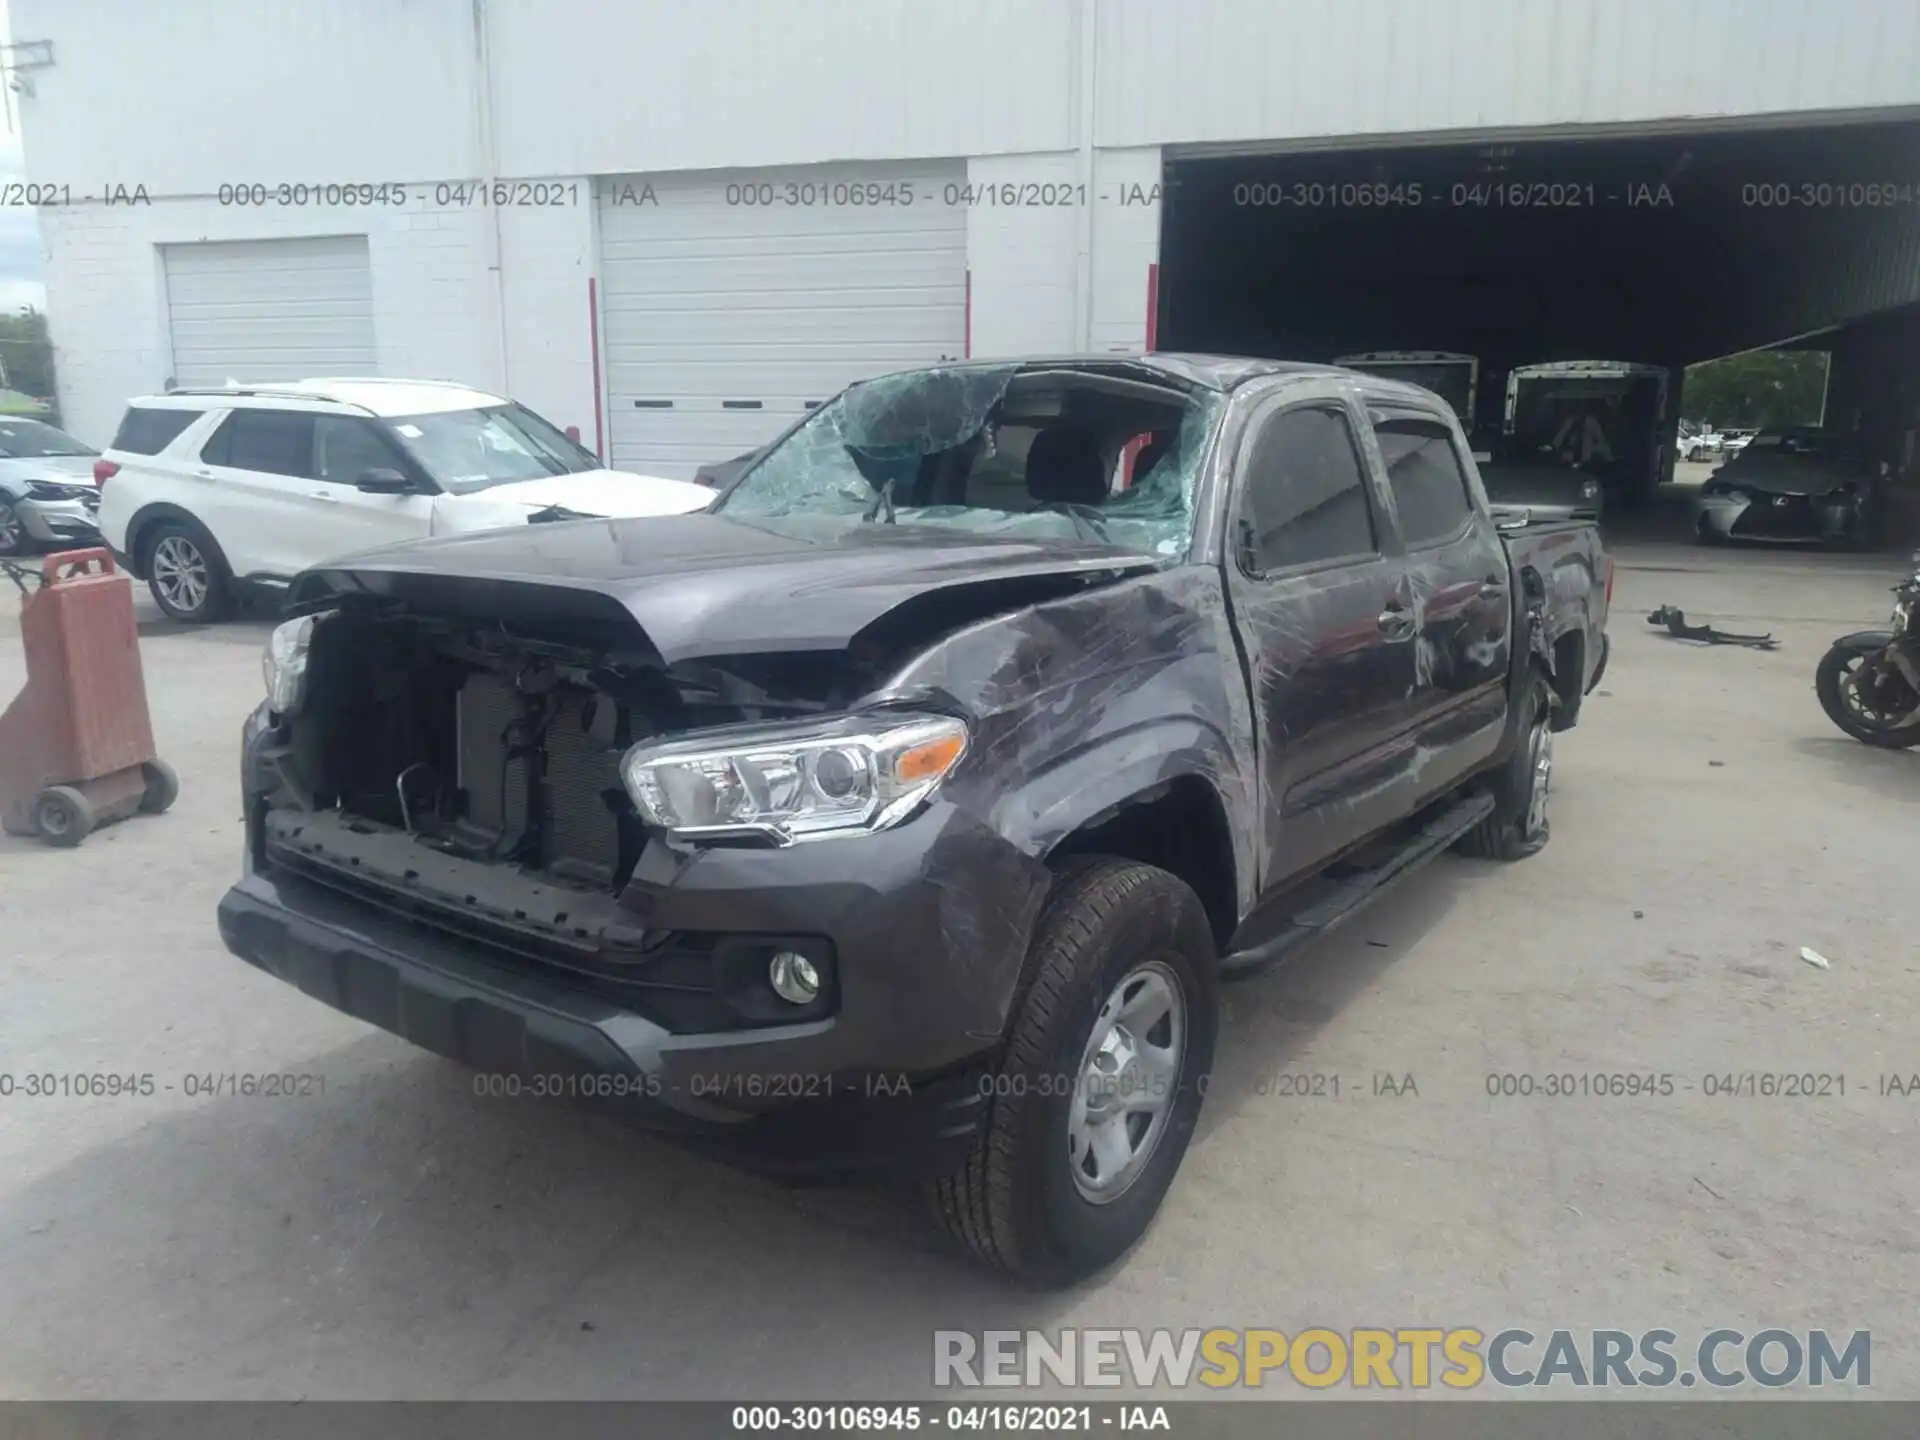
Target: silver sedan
{"points": [[48, 496]]}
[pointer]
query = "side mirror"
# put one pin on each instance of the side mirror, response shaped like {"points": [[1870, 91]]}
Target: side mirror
{"points": [[384, 482]]}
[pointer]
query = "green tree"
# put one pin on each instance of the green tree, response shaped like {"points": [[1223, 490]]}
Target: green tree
{"points": [[1765, 387]]}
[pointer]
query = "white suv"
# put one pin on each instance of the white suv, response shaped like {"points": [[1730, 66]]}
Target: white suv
{"points": [[208, 493]]}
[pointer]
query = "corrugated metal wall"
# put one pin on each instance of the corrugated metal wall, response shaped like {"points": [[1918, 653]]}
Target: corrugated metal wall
{"points": [[377, 90], [1232, 70]]}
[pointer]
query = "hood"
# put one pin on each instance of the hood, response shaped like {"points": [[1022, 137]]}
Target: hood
{"points": [[615, 493], [1771, 474], [66, 469], [709, 585]]}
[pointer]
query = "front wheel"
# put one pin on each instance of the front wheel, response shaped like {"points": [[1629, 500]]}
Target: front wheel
{"points": [[1102, 1081], [14, 539], [1866, 701]]}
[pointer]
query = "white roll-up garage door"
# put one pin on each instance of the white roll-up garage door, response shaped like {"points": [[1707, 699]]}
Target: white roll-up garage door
{"points": [[731, 300], [269, 309]]}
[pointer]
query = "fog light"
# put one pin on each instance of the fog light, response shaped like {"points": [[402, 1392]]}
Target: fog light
{"points": [[793, 978]]}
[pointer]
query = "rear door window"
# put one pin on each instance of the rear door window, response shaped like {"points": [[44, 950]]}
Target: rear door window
{"points": [[1304, 496], [1428, 482], [148, 432], [270, 442]]}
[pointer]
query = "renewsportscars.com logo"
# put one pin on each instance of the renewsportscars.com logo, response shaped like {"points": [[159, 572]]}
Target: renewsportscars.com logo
{"points": [[1459, 1357]]}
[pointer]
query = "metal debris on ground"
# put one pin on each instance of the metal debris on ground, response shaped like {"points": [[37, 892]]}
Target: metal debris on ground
{"points": [[1675, 619], [1814, 957]]}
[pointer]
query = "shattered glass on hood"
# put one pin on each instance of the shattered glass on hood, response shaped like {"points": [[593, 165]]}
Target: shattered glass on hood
{"points": [[858, 456]]}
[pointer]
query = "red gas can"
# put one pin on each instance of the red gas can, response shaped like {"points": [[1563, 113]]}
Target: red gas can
{"points": [[76, 745]]}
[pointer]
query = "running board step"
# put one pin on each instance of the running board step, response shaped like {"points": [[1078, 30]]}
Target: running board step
{"points": [[1362, 886]]}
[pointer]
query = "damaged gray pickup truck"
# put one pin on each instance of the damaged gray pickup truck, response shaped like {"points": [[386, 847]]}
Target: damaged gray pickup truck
{"points": [[901, 814]]}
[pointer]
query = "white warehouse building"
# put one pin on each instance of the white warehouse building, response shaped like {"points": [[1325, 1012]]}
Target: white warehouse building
{"points": [[676, 225]]}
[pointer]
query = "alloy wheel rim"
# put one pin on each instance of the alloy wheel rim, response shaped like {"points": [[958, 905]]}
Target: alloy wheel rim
{"points": [[1539, 776], [180, 571], [12, 531], [1855, 699], [1124, 1090], [53, 818]]}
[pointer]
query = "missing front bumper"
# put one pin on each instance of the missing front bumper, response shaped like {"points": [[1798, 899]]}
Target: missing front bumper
{"points": [[762, 1100]]}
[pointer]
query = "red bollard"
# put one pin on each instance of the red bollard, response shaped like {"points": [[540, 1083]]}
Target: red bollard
{"points": [[76, 744]]}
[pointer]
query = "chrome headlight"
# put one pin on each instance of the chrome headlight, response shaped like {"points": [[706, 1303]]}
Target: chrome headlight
{"points": [[54, 490], [285, 664], [1590, 490], [853, 775]]}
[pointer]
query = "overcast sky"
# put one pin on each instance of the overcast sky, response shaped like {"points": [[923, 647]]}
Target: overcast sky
{"points": [[21, 282]]}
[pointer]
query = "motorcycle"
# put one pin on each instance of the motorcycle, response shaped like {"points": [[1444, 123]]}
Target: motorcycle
{"points": [[1869, 682]]}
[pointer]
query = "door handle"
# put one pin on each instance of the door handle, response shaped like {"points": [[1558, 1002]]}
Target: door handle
{"points": [[1396, 623], [326, 495], [1493, 589]]}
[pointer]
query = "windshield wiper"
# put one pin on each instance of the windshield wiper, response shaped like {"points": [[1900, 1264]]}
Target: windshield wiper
{"points": [[882, 501]]}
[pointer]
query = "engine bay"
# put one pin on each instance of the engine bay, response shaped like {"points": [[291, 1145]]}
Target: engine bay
{"points": [[491, 747]]}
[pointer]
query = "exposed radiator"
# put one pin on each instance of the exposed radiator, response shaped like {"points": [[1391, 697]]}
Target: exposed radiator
{"points": [[583, 763]]}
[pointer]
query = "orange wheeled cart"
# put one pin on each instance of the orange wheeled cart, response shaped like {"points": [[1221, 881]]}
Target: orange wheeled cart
{"points": [[76, 745]]}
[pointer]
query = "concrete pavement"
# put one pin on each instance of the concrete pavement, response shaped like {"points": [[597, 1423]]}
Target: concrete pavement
{"points": [[389, 1234]]}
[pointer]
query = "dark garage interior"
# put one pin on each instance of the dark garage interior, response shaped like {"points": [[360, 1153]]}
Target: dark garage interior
{"points": [[1664, 249]]}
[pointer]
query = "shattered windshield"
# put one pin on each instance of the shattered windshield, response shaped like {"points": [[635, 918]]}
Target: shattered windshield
{"points": [[1066, 454], [470, 450]]}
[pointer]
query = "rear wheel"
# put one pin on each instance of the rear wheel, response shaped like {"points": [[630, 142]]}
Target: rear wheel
{"points": [[1518, 826], [186, 573], [1096, 1097], [1865, 703]]}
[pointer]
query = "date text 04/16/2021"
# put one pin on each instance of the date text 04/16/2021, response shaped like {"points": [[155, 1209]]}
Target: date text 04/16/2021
{"points": [[114, 1085], [906, 1419]]}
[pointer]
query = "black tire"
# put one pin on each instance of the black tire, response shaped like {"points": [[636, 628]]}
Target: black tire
{"points": [[14, 540], [175, 546], [63, 816], [1826, 684], [1517, 828], [1016, 1203], [163, 788]]}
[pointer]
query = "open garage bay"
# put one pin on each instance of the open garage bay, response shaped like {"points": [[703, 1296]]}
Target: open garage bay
{"points": [[1658, 248]]}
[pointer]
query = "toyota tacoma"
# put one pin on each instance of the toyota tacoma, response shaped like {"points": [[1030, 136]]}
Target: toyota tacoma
{"points": [[901, 815]]}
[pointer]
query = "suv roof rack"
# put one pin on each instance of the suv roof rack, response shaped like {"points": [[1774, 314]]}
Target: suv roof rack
{"points": [[271, 392], [391, 380]]}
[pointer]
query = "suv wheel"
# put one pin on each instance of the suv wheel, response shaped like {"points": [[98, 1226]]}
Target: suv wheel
{"points": [[1518, 826], [13, 530], [1097, 1094], [186, 573]]}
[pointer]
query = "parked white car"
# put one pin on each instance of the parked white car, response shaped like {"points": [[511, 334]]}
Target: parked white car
{"points": [[1700, 444], [206, 494]]}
